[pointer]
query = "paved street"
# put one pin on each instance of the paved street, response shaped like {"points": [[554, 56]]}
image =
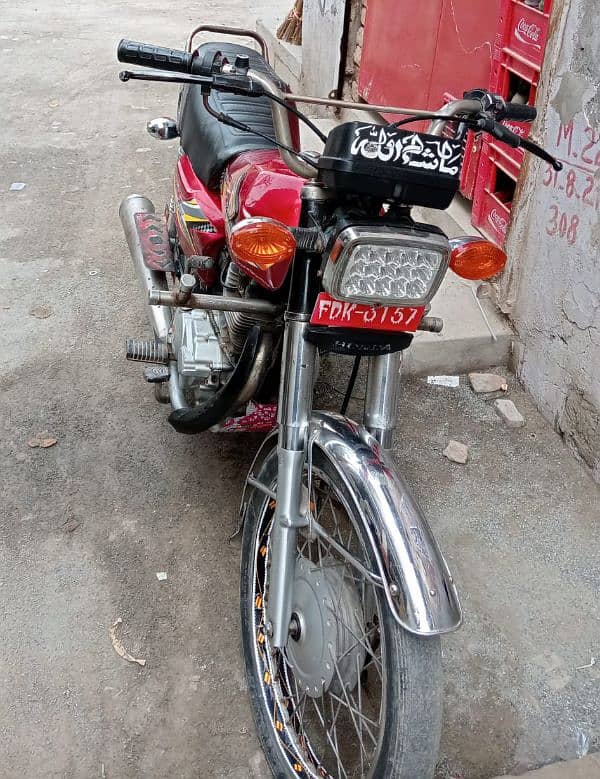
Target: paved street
{"points": [[86, 524]]}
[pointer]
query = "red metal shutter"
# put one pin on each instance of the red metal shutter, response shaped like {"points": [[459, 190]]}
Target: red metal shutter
{"points": [[415, 53]]}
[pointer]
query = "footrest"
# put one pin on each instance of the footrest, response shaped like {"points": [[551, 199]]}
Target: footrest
{"points": [[154, 239], [140, 350]]}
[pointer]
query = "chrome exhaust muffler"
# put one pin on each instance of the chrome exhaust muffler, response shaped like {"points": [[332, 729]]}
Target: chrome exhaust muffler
{"points": [[160, 316]]}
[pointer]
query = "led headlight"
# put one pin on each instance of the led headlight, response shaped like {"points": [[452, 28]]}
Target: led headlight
{"points": [[386, 265]]}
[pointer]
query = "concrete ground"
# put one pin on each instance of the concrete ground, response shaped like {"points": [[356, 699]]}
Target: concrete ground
{"points": [[86, 524], [580, 768]]}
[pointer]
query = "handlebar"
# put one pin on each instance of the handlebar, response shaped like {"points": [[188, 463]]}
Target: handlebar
{"points": [[520, 113], [497, 107], [479, 109]]}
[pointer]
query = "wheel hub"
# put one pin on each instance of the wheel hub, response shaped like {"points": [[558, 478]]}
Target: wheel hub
{"points": [[324, 649]]}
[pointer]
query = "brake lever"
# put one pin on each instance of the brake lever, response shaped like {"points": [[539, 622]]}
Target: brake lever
{"points": [[533, 148], [504, 135]]}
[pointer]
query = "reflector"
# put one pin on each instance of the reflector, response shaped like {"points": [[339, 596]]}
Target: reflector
{"points": [[262, 242], [477, 260]]}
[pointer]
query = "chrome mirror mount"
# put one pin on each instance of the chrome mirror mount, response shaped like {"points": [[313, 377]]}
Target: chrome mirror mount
{"points": [[163, 128]]}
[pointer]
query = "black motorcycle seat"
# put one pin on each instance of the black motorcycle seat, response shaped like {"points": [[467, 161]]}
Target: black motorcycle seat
{"points": [[210, 144]]}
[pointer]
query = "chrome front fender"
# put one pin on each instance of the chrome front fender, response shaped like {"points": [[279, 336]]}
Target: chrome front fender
{"points": [[418, 585]]}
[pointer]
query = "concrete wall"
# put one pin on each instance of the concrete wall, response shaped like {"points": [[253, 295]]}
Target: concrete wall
{"points": [[323, 24], [552, 287], [356, 28]]}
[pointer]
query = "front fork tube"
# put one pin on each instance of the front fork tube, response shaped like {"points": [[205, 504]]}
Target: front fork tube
{"points": [[295, 409], [381, 400]]}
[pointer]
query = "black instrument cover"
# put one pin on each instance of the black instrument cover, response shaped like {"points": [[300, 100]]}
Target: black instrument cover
{"points": [[415, 169]]}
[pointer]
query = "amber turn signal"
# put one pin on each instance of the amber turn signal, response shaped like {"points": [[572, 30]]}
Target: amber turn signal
{"points": [[476, 260], [262, 242]]}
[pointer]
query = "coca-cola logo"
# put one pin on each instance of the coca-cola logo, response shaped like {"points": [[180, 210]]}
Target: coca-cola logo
{"points": [[528, 33], [515, 128], [497, 221]]}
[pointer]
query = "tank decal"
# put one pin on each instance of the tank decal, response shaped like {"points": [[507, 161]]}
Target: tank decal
{"points": [[193, 215]]}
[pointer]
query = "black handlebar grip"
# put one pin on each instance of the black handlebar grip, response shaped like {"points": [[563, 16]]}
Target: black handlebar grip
{"points": [[149, 56], [520, 113]]}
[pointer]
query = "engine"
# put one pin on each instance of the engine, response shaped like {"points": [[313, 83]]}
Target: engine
{"points": [[202, 364], [207, 344]]}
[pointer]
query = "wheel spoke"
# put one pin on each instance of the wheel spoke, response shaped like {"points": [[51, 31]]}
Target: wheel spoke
{"points": [[335, 519], [303, 547], [369, 650], [351, 705], [319, 552], [359, 686], [340, 564], [350, 537], [331, 742], [350, 709], [366, 647], [334, 726]]}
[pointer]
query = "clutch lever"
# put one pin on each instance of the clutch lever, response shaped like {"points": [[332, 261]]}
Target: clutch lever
{"points": [[169, 78], [233, 83]]}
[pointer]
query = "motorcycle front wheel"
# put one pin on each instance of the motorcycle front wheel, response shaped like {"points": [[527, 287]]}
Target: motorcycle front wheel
{"points": [[352, 694]]}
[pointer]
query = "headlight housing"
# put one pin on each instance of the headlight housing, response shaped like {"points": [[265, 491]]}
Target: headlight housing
{"points": [[384, 265]]}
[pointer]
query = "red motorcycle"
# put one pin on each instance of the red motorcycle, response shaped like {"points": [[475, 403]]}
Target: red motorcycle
{"points": [[266, 257]]}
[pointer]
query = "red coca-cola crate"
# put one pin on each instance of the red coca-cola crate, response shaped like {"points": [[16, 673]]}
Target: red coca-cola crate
{"points": [[514, 78], [525, 30], [518, 57], [501, 155], [508, 67], [494, 191]]}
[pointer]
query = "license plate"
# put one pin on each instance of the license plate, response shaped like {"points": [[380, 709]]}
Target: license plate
{"points": [[338, 313]]}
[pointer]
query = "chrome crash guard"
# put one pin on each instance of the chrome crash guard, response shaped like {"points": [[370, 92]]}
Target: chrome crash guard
{"points": [[418, 585]]}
